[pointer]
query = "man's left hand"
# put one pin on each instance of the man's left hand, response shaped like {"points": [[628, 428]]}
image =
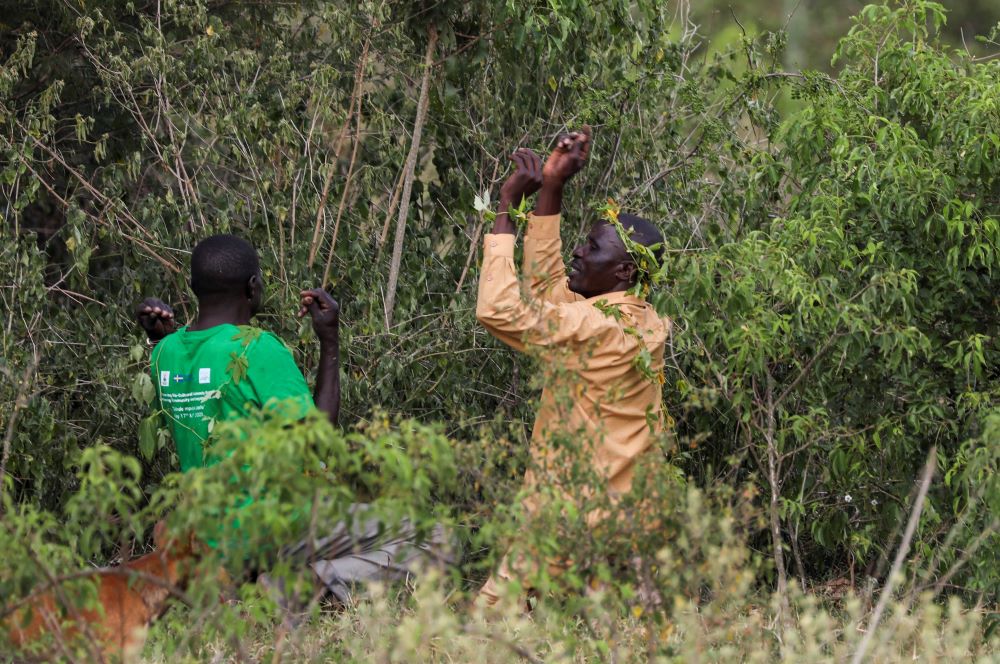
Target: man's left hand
{"points": [[156, 318], [568, 157], [324, 310]]}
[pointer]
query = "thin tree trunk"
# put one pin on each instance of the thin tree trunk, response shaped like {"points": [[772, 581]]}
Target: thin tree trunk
{"points": [[796, 26], [774, 508], [897, 564], [20, 403], [355, 94], [410, 169], [347, 187], [393, 202], [472, 252]]}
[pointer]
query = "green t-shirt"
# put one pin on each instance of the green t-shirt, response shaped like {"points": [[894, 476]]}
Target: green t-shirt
{"points": [[220, 373]]}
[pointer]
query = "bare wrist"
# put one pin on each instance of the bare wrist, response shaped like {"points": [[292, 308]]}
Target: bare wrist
{"points": [[553, 183]]}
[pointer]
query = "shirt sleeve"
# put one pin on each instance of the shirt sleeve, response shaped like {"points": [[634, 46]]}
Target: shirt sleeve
{"points": [[518, 322], [276, 380], [154, 375], [543, 272]]}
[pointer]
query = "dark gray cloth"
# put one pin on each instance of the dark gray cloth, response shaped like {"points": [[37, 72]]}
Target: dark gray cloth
{"points": [[363, 549]]}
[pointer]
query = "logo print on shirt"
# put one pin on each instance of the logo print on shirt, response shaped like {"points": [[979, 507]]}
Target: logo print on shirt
{"points": [[164, 378], [178, 378], [204, 375]]}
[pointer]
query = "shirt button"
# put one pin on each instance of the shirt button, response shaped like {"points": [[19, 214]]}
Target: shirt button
{"points": [[493, 244], [489, 278]]}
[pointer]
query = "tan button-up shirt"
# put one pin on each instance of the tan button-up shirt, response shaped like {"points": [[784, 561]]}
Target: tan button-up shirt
{"points": [[592, 386]]}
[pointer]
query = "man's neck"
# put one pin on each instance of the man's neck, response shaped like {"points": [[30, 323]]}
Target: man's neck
{"points": [[620, 288], [211, 314]]}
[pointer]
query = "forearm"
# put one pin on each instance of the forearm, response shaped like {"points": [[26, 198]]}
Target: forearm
{"points": [[499, 305], [516, 321], [550, 198], [503, 224], [327, 393], [543, 271]]}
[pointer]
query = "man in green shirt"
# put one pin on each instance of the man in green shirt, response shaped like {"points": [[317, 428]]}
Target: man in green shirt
{"points": [[220, 367]]}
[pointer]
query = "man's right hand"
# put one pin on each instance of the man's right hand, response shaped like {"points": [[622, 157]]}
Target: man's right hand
{"points": [[523, 182], [325, 314], [324, 311], [156, 318], [568, 157], [526, 178]]}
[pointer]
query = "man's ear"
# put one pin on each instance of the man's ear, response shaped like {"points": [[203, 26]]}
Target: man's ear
{"points": [[254, 285], [627, 272]]}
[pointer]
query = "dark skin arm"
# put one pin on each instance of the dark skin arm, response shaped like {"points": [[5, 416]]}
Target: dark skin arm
{"points": [[523, 182], [567, 159], [325, 314], [155, 317]]}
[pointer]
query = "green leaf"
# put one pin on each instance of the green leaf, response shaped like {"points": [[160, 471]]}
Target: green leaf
{"points": [[237, 367], [148, 435], [247, 334], [142, 389]]}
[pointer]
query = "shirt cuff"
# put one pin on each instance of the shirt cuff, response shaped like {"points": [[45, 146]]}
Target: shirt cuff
{"points": [[500, 244], [543, 227]]}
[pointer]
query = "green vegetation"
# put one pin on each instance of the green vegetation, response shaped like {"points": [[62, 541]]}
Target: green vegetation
{"points": [[831, 271]]}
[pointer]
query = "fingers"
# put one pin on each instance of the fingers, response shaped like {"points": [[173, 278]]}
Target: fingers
{"points": [[518, 160], [316, 300], [156, 312], [536, 167], [580, 149], [577, 142], [308, 302], [585, 141], [532, 163], [325, 301], [528, 174], [154, 308]]}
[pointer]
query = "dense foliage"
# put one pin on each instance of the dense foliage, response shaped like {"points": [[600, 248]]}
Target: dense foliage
{"points": [[831, 268]]}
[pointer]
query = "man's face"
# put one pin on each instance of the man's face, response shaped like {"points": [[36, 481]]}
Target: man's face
{"points": [[600, 264]]}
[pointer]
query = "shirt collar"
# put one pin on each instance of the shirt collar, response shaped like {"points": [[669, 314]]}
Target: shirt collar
{"points": [[619, 297]]}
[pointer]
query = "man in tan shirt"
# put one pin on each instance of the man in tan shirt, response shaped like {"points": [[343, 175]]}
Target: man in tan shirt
{"points": [[587, 329]]}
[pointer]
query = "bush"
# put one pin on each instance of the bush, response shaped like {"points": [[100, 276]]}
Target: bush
{"points": [[831, 275]]}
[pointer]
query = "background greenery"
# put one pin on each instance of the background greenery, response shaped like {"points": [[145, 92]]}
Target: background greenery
{"points": [[831, 208]]}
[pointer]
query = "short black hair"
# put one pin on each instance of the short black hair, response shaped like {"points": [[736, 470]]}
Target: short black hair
{"points": [[222, 265], [644, 232]]}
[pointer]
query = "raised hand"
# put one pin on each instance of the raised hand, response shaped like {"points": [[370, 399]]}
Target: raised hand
{"points": [[523, 182], [526, 178], [156, 318], [325, 313], [324, 310], [568, 157]]}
